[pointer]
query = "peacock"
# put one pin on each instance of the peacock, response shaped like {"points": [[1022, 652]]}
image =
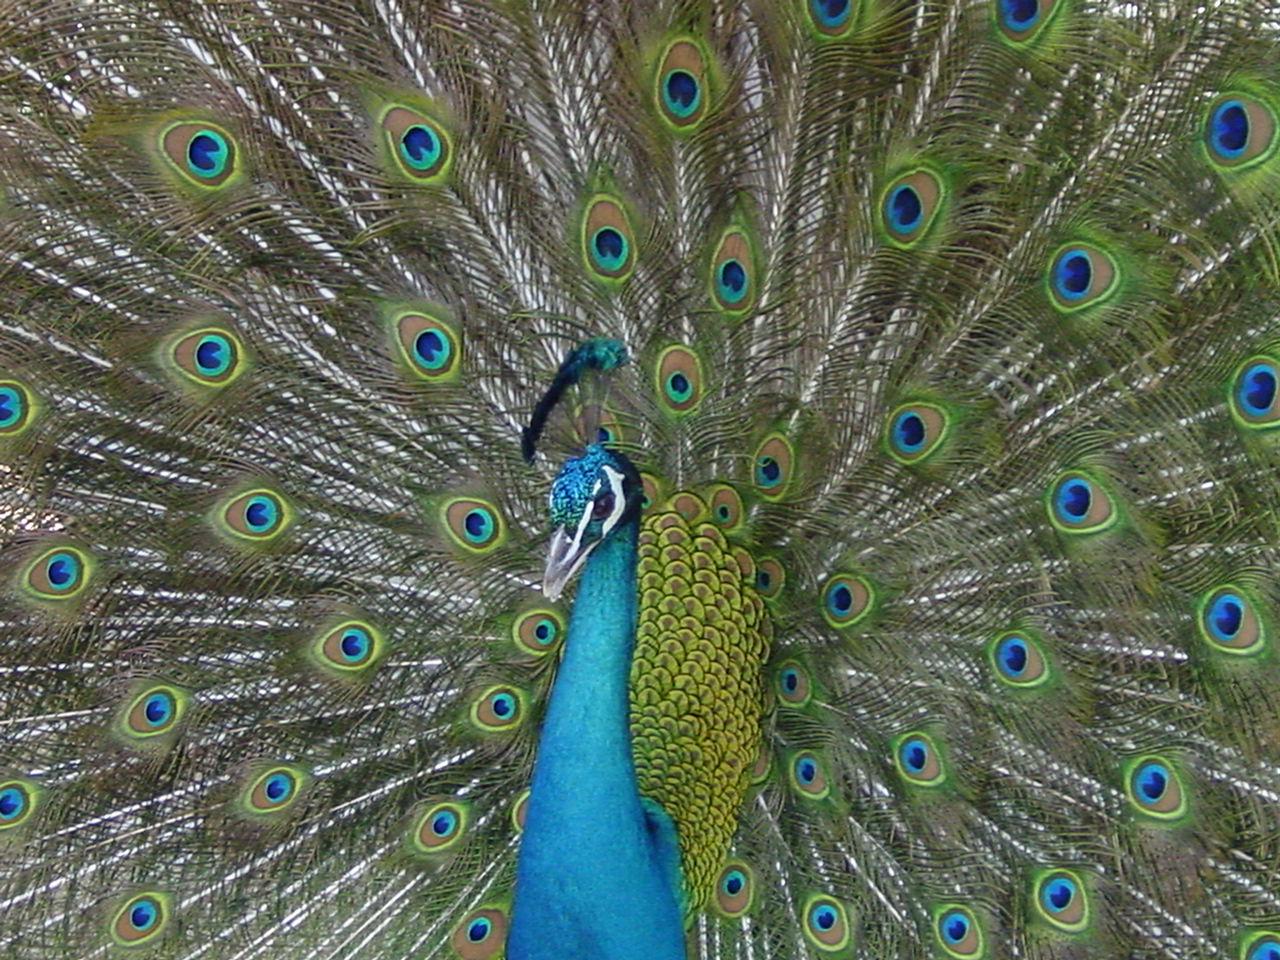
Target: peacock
{"points": [[672, 480]]}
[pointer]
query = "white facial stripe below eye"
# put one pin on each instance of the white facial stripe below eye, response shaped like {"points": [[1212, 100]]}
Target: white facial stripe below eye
{"points": [[619, 502]]}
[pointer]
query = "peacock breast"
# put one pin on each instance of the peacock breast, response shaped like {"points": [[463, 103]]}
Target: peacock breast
{"points": [[697, 693]]}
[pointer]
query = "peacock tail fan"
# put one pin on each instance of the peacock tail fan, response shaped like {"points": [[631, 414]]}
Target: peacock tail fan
{"points": [[952, 386]]}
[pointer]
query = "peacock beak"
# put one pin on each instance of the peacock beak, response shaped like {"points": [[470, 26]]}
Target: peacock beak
{"points": [[564, 556]]}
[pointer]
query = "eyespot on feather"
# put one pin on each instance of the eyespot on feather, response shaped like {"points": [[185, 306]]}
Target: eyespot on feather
{"points": [[1081, 275], [348, 649], [1021, 21], [909, 206], [679, 381], [831, 19], [826, 924], [428, 346], [273, 791], [58, 573], [774, 462], [477, 526], [1078, 504], [608, 243], [1254, 396], [419, 144], [725, 507], [808, 775], [210, 356], [771, 577], [520, 810], [258, 515], [681, 85], [1260, 945], [18, 408], [735, 890], [1060, 898], [141, 919], [918, 761], [1228, 622], [958, 931], [1240, 132], [19, 801], [481, 935], [793, 684], [154, 712], [1018, 659], [498, 709], [914, 431], [733, 269], [439, 827], [204, 154], [1154, 789], [847, 599], [538, 631]]}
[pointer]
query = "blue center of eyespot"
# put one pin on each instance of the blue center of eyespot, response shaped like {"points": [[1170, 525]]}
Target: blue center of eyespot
{"points": [[1013, 655], [731, 281], [260, 514], [1152, 779], [1230, 129], [1257, 390], [478, 525], [61, 571], [1058, 894], [143, 915], [431, 349], [444, 823], [840, 599], [158, 708], [909, 432], [955, 927], [734, 882], [768, 472], [545, 631], [610, 248], [478, 930], [806, 770], [1073, 275], [830, 13], [914, 755], [1074, 498], [790, 680], [1225, 616], [823, 917], [354, 644], [12, 802], [1020, 14], [682, 93], [420, 147], [213, 355], [10, 406], [503, 705], [678, 386], [905, 209], [206, 154], [278, 787], [763, 580], [1267, 949]]}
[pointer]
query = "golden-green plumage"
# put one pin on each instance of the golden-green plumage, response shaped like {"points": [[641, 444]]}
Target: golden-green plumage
{"points": [[697, 687]]}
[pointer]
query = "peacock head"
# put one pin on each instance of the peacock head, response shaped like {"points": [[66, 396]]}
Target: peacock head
{"points": [[593, 496]]}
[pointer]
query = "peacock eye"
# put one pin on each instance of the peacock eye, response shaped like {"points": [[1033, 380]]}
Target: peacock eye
{"points": [[602, 506]]}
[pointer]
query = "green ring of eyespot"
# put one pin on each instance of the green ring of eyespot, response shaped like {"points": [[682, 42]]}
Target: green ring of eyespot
{"points": [[944, 912], [1041, 890], [76, 565], [19, 406]]}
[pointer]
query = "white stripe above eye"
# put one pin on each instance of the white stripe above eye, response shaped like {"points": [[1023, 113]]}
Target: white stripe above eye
{"points": [[619, 501]]}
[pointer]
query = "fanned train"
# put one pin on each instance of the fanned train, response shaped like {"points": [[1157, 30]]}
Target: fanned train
{"points": [[552, 480]]}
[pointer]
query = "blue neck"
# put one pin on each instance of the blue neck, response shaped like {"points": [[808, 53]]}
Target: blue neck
{"points": [[596, 876]]}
